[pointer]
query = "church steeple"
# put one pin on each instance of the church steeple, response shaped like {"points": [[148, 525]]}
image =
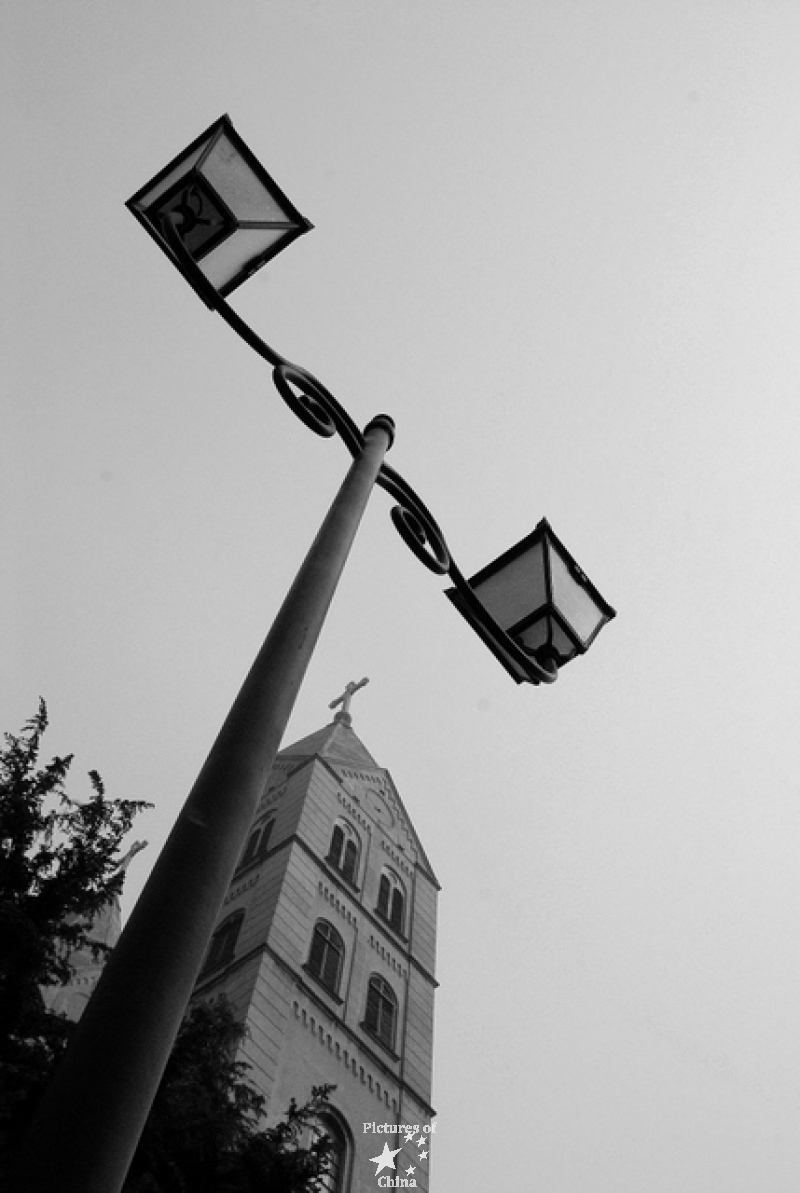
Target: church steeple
{"points": [[326, 945], [335, 742]]}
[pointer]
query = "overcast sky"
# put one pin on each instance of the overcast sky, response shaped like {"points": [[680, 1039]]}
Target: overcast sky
{"points": [[559, 242]]}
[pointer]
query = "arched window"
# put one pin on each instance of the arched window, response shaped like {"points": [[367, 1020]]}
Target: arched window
{"points": [[334, 1179], [337, 845], [391, 900], [350, 861], [326, 956], [344, 851], [257, 844], [330, 1124], [223, 942], [381, 1015]]}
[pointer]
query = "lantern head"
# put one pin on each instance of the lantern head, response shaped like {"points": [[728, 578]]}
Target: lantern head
{"points": [[536, 595], [229, 215]]}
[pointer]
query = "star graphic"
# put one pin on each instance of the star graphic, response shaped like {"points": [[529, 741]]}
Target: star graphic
{"points": [[409, 1170], [422, 1156], [385, 1159], [409, 1136], [421, 1139]]}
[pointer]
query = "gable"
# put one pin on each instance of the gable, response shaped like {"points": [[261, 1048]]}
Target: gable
{"points": [[368, 784], [374, 792]]}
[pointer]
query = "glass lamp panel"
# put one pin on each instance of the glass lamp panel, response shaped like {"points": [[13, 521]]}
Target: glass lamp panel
{"points": [[240, 186], [563, 644], [573, 600], [546, 631], [199, 217], [228, 259], [516, 589], [518, 671], [180, 170], [535, 635]]}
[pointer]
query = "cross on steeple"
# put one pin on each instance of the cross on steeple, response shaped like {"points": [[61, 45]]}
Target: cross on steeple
{"points": [[347, 695]]}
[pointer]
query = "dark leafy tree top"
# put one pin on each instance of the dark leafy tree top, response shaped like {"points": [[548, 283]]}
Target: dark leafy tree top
{"points": [[205, 1133], [59, 868]]}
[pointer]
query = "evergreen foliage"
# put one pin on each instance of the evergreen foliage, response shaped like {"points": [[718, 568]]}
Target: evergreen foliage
{"points": [[59, 867], [203, 1134]]}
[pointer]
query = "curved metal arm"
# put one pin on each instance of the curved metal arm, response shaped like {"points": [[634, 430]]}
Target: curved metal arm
{"points": [[320, 411]]}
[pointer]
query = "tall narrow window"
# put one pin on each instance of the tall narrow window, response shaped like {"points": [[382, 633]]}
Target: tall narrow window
{"points": [[257, 843], [266, 833], [337, 845], [326, 955], [223, 942], [350, 861], [331, 1182], [251, 848], [381, 1015], [391, 900], [334, 1180], [396, 914], [345, 851], [384, 895]]}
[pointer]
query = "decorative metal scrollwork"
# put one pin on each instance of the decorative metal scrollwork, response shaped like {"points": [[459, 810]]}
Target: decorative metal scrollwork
{"points": [[316, 406], [415, 523], [305, 396], [319, 410]]}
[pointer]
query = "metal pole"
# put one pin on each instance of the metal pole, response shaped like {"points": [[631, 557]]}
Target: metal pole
{"points": [[87, 1128]]}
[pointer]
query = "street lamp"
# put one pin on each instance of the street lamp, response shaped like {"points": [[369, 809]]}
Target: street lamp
{"points": [[230, 216], [537, 596], [533, 607], [219, 216]]}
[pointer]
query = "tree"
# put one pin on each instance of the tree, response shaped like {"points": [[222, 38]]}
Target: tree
{"points": [[203, 1134], [59, 868]]}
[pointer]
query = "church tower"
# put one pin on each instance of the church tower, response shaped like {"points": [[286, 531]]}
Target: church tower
{"points": [[325, 947]]}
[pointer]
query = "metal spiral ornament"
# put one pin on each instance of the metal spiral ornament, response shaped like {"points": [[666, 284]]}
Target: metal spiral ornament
{"points": [[315, 405], [303, 393], [415, 523]]}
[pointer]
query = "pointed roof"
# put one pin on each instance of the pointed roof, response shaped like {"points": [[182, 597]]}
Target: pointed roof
{"points": [[337, 745], [336, 742]]}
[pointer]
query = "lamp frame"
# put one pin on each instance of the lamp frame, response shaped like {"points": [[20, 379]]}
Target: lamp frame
{"points": [[471, 608], [296, 225]]}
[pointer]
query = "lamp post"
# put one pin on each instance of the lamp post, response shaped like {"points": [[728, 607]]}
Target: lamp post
{"points": [[219, 216]]}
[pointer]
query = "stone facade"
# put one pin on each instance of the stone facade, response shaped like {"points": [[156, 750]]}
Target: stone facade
{"points": [[326, 948]]}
